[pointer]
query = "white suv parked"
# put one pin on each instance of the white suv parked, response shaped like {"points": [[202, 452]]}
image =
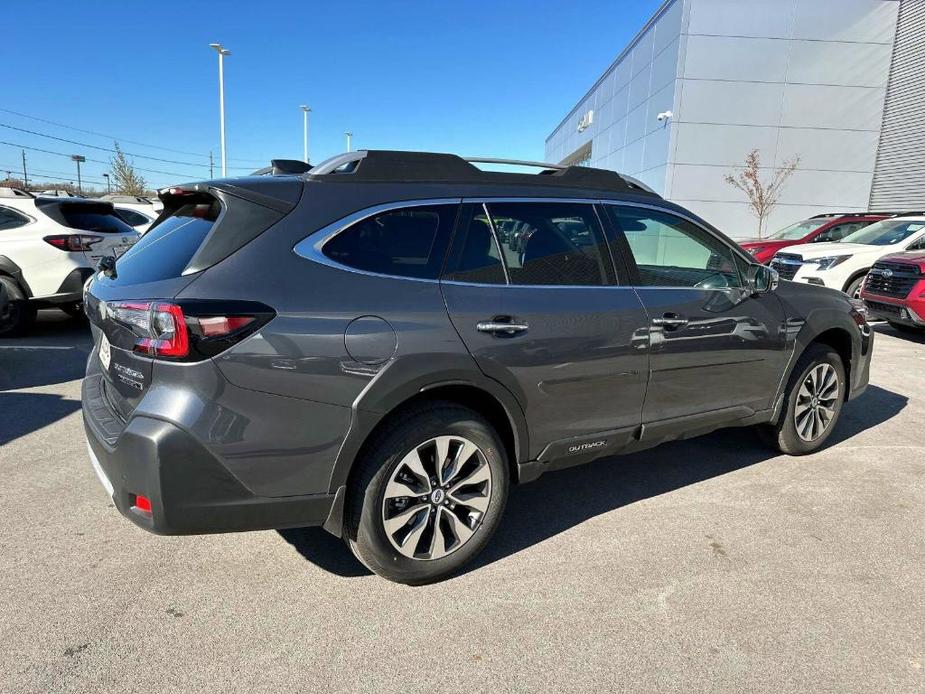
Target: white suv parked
{"points": [[844, 264], [49, 246]]}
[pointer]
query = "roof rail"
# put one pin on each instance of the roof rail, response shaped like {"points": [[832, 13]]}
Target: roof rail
{"points": [[399, 166], [514, 162], [907, 213]]}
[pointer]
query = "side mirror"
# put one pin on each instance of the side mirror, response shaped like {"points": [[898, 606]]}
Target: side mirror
{"points": [[761, 279]]}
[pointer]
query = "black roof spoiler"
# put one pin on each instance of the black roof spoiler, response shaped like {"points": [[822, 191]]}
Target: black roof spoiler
{"points": [[283, 167], [399, 166]]}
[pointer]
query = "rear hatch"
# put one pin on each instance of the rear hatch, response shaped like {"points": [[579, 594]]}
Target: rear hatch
{"points": [[104, 232], [131, 308]]}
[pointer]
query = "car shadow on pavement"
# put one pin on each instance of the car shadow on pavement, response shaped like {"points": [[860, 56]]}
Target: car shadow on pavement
{"points": [[54, 352], [560, 500], [23, 413], [913, 336]]}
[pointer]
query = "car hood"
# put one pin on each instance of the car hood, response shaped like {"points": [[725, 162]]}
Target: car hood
{"points": [[908, 258], [822, 250]]}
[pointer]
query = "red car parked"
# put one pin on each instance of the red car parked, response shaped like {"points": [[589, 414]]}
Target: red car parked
{"points": [[894, 290], [833, 226]]}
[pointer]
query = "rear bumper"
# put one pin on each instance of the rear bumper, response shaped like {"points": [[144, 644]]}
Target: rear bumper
{"points": [[190, 491], [70, 291]]}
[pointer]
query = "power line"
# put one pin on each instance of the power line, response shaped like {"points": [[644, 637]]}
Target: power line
{"points": [[102, 149], [120, 139], [172, 174]]}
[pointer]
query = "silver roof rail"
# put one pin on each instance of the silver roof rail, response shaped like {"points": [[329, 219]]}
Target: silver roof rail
{"points": [[335, 162], [637, 183], [513, 162]]}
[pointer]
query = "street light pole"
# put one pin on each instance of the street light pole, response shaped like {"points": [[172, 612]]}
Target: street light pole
{"points": [[78, 158], [348, 135], [222, 52], [305, 111], [108, 184]]}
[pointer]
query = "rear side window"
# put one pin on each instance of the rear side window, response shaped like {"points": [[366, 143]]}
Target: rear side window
{"points": [[477, 256], [167, 249], [132, 217], [552, 243], [11, 219], [93, 218], [408, 242]]}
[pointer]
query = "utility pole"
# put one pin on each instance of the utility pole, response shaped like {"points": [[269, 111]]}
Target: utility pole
{"points": [[348, 135], [25, 176], [210, 165], [222, 52], [78, 158], [305, 111]]}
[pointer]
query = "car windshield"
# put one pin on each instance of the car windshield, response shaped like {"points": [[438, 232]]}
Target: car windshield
{"points": [[885, 233], [797, 231]]}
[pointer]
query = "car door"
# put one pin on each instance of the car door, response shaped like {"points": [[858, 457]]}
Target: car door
{"points": [[531, 289], [716, 350]]}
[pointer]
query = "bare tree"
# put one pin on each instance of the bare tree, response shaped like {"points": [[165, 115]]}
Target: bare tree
{"points": [[124, 176], [762, 194]]}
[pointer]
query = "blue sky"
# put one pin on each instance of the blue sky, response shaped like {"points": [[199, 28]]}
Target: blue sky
{"points": [[477, 78]]}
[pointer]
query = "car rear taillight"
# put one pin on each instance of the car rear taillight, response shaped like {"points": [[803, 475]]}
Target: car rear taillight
{"points": [[73, 242], [168, 334], [187, 331]]}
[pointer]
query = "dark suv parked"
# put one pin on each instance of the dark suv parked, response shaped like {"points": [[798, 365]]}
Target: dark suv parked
{"points": [[384, 344]]}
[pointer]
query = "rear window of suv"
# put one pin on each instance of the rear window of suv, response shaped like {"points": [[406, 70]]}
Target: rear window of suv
{"points": [[167, 249], [94, 218]]}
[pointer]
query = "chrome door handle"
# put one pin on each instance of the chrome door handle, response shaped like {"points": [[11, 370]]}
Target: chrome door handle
{"points": [[491, 326], [669, 322]]}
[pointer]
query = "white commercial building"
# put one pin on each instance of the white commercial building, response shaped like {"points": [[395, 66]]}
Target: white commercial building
{"points": [[837, 83]]}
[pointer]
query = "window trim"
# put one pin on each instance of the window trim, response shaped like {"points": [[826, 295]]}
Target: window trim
{"points": [[311, 246]]}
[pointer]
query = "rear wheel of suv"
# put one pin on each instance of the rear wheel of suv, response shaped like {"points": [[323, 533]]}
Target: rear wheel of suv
{"points": [[19, 315], [814, 398], [428, 495]]}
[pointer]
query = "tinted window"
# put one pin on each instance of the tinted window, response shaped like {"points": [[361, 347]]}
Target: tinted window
{"points": [[132, 217], [672, 252], [91, 218], [886, 233], [408, 242], [839, 231], [552, 243], [10, 219], [478, 257], [168, 247]]}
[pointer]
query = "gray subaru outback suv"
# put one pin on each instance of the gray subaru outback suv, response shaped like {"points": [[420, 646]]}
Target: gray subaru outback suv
{"points": [[384, 344]]}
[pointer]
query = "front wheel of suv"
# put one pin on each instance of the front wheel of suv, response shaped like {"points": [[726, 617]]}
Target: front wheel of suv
{"points": [[428, 495], [814, 398]]}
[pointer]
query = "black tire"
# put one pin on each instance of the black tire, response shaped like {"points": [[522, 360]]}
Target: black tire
{"points": [[19, 315], [365, 531], [853, 288], [783, 435]]}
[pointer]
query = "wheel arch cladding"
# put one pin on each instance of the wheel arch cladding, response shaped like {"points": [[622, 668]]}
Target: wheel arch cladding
{"points": [[509, 423], [838, 339]]}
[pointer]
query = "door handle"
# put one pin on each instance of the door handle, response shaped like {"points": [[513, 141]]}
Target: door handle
{"points": [[670, 321], [500, 327]]}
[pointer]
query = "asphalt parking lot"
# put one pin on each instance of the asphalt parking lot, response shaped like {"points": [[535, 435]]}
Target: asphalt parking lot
{"points": [[709, 564]]}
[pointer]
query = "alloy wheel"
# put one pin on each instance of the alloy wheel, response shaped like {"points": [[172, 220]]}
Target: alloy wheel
{"points": [[436, 497], [817, 399]]}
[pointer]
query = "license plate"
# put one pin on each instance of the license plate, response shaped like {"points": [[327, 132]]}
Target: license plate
{"points": [[105, 352]]}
